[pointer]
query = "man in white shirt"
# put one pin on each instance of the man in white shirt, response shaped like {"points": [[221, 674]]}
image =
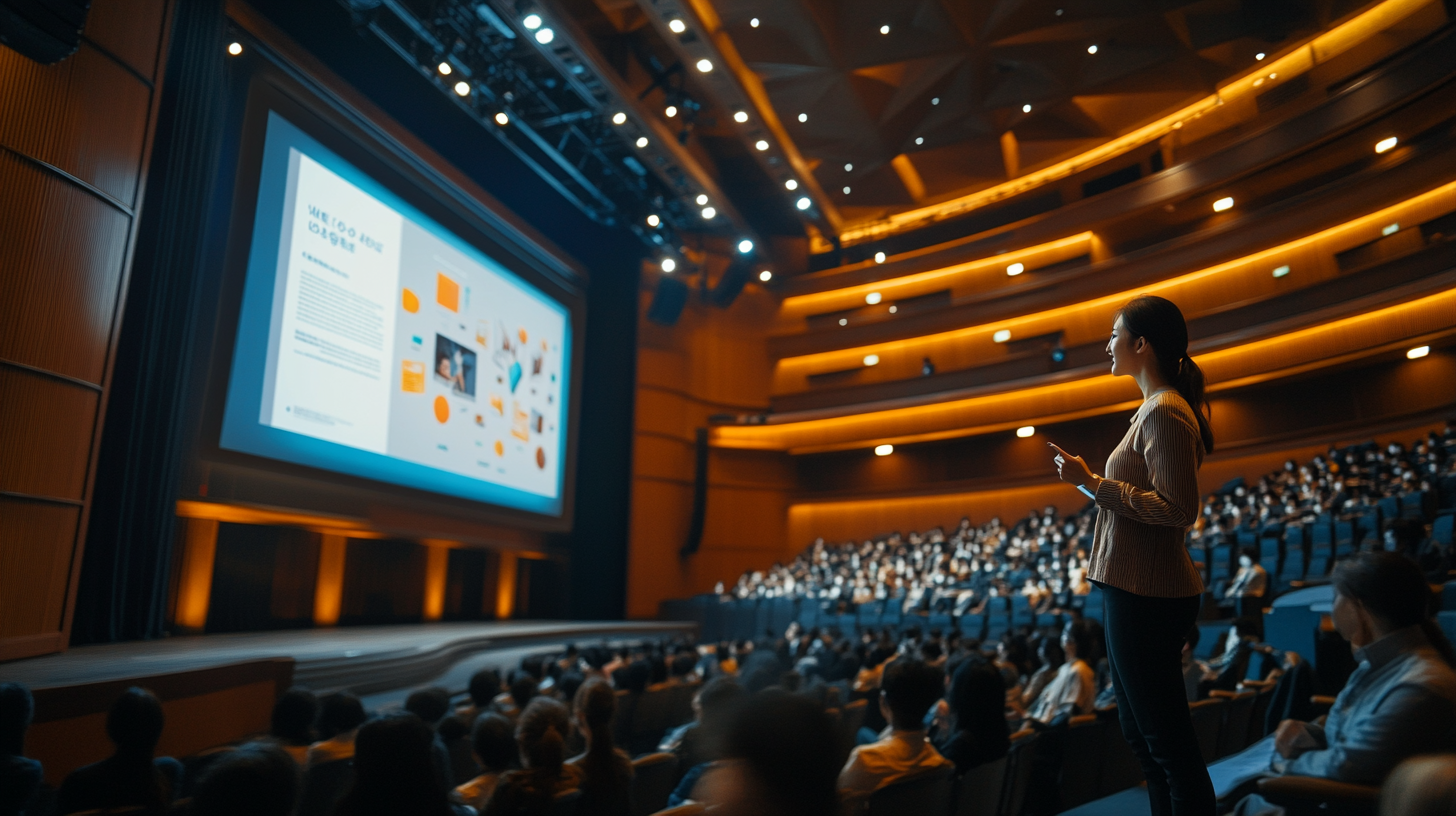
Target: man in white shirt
{"points": [[1074, 689], [908, 690], [1251, 581]]}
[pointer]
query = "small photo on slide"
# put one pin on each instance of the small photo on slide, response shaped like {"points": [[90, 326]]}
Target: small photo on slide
{"points": [[455, 366]]}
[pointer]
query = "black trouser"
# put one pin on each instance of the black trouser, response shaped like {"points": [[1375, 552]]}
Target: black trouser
{"points": [[1145, 638]]}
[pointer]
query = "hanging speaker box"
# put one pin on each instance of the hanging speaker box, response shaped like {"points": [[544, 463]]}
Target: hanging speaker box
{"points": [[46, 31]]}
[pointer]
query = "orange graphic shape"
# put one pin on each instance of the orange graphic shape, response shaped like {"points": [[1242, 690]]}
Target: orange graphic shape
{"points": [[500, 448], [442, 409], [411, 302], [541, 458], [522, 331], [447, 292], [412, 378], [498, 404]]}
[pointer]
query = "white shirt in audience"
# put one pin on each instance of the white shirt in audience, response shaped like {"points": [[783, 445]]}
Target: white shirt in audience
{"points": [[1075, 686]]}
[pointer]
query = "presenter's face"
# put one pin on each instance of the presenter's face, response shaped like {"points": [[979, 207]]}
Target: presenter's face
{"points": [[1122, 348]]}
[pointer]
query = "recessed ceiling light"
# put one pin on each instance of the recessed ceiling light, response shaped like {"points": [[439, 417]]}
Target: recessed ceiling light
{"points": [[668, 264], [1281, 271], [677, 26], [745, 246], [1390, 229], [545, 36], [846, 190], [894, 308], [803, 117], [701, 199], [1016, 268], [765, 276], [1026, 109], [1223, 204], [803, 203], [462, 88], [1259, 55], [879, 257], [705, 65], [1386, 144], [884, 29], [884, 450], [935, 100], [708, 213], [761, 144], [1418, 352], [873, 297], [1091, 49], [791, 184], [1059, 12], [740, 117], [1001, 336], [444, 67], [653, 220], [502, 119], [641, 141], [844, 321], [619, 118], [671, 111], [872, 359], [848, 168], [753, 22], [919, 140], [531, 22], [237, 48], [1025, 430]]}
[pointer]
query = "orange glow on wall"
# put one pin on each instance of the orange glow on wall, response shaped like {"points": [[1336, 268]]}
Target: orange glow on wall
{"points": [[505, 585], [194, 585], [437, 565], [328, 593]]}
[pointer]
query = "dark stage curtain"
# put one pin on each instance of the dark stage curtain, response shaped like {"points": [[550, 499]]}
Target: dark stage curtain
{"points": [[124, 571]]}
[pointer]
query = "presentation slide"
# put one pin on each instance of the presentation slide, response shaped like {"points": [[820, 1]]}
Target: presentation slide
{"points": [[374, 342]]}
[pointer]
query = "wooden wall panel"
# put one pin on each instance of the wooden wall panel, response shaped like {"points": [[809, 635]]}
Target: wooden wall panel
{"points": [[41, 453], [35, 556], [130, 30]]}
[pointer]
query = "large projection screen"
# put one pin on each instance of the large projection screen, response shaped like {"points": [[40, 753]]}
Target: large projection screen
{"points": [[374, 343]]}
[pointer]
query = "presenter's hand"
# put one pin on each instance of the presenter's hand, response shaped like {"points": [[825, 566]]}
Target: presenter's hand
{"points": [[1071, 469]]}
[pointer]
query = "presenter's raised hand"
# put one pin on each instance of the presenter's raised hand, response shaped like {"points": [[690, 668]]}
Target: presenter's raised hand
{"points": [[1071, 469]]}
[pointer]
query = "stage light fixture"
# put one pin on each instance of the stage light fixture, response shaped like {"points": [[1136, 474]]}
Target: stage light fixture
{"points": [[619, 118], [1259, 55], [846, 190], [708, 213], [791, 184], [677, 26], [745, 246], [848, 168], [444, 69], [753, 22], [1025, 430], [1227, 202], [531, 22], [919, 140], [765, 276], [1091, 49], [545, 36], [884, 29], [1386, 144], [1016, 269], [879, 257], [1001, 336], [653, 220], [1418, 352], [668, 265], [701, 199], [705, 65], [872, 359], [873, 297], [803, 117], [235, 48], [502, 119], [740, 117], [1281, 271], [641, 141], [462, 88], [884, 450], [803, 203], [671, 111], [761, 144], [1026, 109]]}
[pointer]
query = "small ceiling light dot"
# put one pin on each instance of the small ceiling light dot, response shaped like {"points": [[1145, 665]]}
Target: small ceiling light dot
{"points": [[462, 88], [1224, 203], [708, 213], [872, 298], [545, 36], [237, 48], [653, 220], [619, 118], [668, 264], [671, 111], [791, 184], [745, 246], [803, 117], [879, 257], [1281, 271], [532, 22], [641, 141], [935, 100], [765, 276], [803, 203], [677, 26], [1386, 144], [761, 144], [1016, 268], [1091, 49], [919, 140], [1418, 352], [894, 309], [740, 117], [1059, 12], [701, 199], [753, 22], [884, 450], [884, 29], [1390, 229], [444, 68], [1259, 55], [849, 168], [846, 190], [844, 321], [1025, 430], [1001, 336], [872, 359], [705, 65], [502, 119], [1026, 109]]}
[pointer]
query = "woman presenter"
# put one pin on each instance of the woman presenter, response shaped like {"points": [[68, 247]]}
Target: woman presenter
{"points": [[1151, 590]]}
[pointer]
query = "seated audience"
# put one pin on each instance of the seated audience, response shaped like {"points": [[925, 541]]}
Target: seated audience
{"points": [[973, 729], [780, 756], [1422, 786], [493, 744], [513, 701], [1050, 653], [1401, 699], [130, 777], [606, 771], [1074, 689], [292, 725], [340, 716], [692, 743], [484, 687], [257, 779], [431, 705], [1251, 581], [20, 777], [907, 692], [394, 772], [541, 732]]}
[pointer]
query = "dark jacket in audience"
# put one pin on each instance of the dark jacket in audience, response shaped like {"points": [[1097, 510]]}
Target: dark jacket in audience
{"points": [[978, 732], [130, 777]]}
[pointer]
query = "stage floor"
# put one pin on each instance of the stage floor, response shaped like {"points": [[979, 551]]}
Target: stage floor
{"points": [[363, 659]]}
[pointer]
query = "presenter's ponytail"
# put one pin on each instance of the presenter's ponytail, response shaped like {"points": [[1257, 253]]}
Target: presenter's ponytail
{"points": [[1160, 322]]}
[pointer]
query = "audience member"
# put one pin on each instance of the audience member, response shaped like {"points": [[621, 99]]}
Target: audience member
{"points": [[340, 716], [1251, 581], [781, 753], [1074, 689], [292, 725], [493, 743], [485, 686], [907, 692], [974, 729], [1421, 786], [692, 743], [256, 779], [606, 771], [131, 776], [20, 777], [431, 705], [540, 738], [395, 773]]}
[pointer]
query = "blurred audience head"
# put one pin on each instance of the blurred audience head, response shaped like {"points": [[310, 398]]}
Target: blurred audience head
{"points": [[523, 688], [293, 716], [393, 770], [1377, 593], [977, 699], [135, 722], [429, 704], [783, 754], [256, 779], [594, 704], [908, 690], [716, 698], [16, 710], [484, 686], [494, 742], [339, 713], [541, 734]]}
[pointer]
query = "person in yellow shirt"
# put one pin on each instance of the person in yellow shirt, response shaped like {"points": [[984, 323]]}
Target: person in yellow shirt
{"points": [[908, 690]]}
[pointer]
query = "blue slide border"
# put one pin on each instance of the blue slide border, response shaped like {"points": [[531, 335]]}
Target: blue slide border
{"points": [[241, 430]]}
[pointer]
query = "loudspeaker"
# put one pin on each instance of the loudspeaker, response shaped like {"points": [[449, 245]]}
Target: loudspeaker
{"points": [[46, 31], [667, 301], [700, 495], [735, 277]]}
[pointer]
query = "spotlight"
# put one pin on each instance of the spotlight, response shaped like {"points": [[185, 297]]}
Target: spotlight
{"points": [[879, 257], [935, 100], [846, 191], [765, 276], [872, 359], [803, 203], [1386, 144], [444, 69], [1091, 49], [705, 65], [701, 199], [1016, 269], [677, 26], [1259, 55], [753, 22], [653, 220], [641, 141], [462, 88], [545, 36], [745, 246], [1059, 354], [894, 309], [1418, 352], [791, 184], [237, 48], [873, 297], [1281, 271], [848, 168], [1390, 229], [761, 144], [1001, 336], [884, 29], [708, 213], [1025, 430], [919, 140], [843, 321], [671, 111], [740, 117], [1227, 202], [668, 265], [502, 119], [803, 117], [619, 118], [884, 450], [1026, 109], [532, 22]]}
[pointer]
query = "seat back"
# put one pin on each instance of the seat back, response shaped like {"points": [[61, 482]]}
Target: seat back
{"points": [[1207, 722], [689, 809], [653, 777], [853, 717], [1019, 766], [1258, 710], [650, 718], [978, 791], [1234, 734], [565, 803], [1082, 757], [323, 785], [927, 793]]}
